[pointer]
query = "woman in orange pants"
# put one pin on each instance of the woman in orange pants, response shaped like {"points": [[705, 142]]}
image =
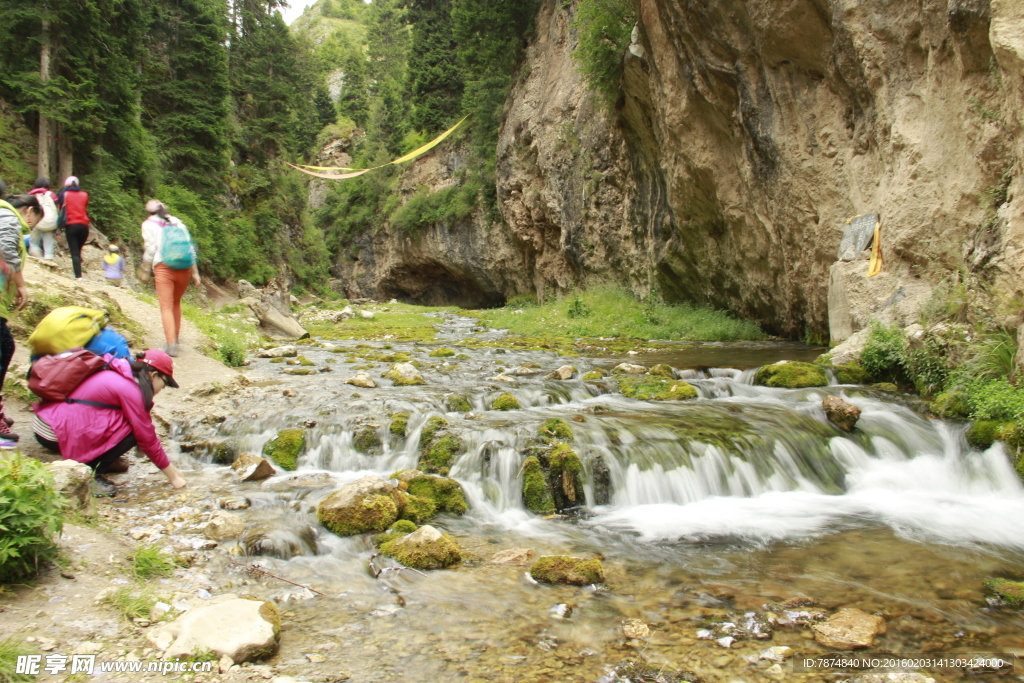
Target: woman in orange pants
{"points": [[171, 255]]}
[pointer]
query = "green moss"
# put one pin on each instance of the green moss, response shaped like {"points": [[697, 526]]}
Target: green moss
{"points": [[367, 441], [272, 615], [447, 494], [224, 453], [440, 455], [505, 402], [374, 513], [791, 375], [399, 422], [564, 459], [983, 433], [662, 370], [457, 403], [536, 495], [851, 373], [305, 361], [1010, 591], [442, 353], [555, 429], [951, 404], [430, 430], [403, 381], [462, 356], [655, 389], [298, 371], [284, 450], [885, 386], [400, 357], [563, 569], [418, 508], [594, 375], [277, 360], [433, 555], [402, 527]]}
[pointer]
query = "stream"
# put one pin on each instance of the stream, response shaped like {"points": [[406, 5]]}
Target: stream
{"points": [[900, 518]]}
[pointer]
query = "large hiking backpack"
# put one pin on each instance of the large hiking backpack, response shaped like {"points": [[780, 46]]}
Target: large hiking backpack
{"points": [[176, 251], [54, 377], [64, 328], [109, 341]]}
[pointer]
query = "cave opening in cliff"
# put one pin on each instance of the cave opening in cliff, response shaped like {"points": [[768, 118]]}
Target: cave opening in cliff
{"points": [[435, 285]]}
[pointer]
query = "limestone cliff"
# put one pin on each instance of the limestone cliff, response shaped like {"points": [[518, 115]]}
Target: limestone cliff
{"points": [[747, 134]]}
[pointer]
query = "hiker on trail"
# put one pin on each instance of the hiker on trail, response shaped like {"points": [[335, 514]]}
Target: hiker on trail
{"points": [[107, 415], [171, 255], [113, 265], [75, 204], [41, 239], [17, 213]]}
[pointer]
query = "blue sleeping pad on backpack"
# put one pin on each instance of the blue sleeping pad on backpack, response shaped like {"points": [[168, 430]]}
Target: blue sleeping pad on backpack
{"points": [[110, 341]]}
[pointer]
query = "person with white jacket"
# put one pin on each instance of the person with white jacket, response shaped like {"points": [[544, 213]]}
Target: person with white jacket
{"points": [[40, 241], [169, 279]]}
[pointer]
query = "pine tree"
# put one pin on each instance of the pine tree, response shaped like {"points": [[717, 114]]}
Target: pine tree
{"points": [[435, 82], [388, 120], [353, 100], [387, 38]]}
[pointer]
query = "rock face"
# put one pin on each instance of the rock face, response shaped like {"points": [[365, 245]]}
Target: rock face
{"points": [[842, 414], [849, 629], [747, 133], [71, 479], [367, 504], [228, 626]]}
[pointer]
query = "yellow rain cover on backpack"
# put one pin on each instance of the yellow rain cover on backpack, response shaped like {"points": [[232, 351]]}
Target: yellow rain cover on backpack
{"points": [[66, 328]]}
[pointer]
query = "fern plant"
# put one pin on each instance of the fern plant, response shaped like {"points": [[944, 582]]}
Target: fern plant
{"points": [[30, 517]]}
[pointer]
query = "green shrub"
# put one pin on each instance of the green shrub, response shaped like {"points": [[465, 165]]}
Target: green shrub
{"points": [[11, 648], [604, 29], [148, 562], [885, 353], [578, 309], [30, 517]]}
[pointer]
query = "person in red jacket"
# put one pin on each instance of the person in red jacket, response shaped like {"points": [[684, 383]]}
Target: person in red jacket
{"points": [[75, 204]]}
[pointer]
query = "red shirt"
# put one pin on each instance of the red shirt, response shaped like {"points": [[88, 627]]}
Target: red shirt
{"points": [[76, 201]]}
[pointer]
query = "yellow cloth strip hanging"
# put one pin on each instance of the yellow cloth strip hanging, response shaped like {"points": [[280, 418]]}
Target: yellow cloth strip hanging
{"points": [[352, 173], [875, 265]]}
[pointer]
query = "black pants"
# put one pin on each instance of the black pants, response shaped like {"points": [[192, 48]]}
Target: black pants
{"points": [[6, 350], [77, 234], [101, 464]]}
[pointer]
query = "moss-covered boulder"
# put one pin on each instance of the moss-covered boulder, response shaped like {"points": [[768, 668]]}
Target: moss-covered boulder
{"points": [[951, 404], [399, 423], [418, 509], [284, 449], [983, 433], [367, 441], [656, 389], [298, 371], [457, 403], [402, 527], [564, 468], [537, 496], [563, 569], [594, 375], [442, 353], [791, 375], [662, 370], [851, 373], [367, 504], [1008, 591], [434, 425], [439, 455], [555, 429], [446, 494], [425, 548], [404, 375], [505, 402]]}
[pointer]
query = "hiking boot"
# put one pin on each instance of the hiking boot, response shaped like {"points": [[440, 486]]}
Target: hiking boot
{"points": [[5, 431], [102, 487], [172, 350]]}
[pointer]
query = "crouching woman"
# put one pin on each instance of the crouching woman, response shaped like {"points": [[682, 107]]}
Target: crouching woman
{"points": [[109, 414]]}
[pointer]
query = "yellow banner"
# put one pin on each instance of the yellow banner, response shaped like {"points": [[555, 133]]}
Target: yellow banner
{"points": [[875, 264], [344, 173]]}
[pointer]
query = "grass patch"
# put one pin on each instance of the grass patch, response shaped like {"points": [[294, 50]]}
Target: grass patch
{"points": [[148, 562], [401, 322], [133, 602], [230, 339], [613, 312], [11, 648]]}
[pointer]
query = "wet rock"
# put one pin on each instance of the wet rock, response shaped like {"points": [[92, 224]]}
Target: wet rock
{"points": [[634, 628], [234, 503], [239, 628], [555, 429], [537, 496], [223, 525], [505, 401], [563, 475], [251, 467], [563, 569], [849, 629], [71, 479], [399, 423], [404, 375], [279, 352], [523, 371], [513, 556], [367, 441], [629, 369], [281, 541], [594, 375], [656, 389], [663, 370], [602, 478], [289, 393], [1006, 591], [425, 548], [779, 653], [367, 504], [431, 429], [564, 372], [502, 377], [285, 448], [438, 457], [298, 371], [840, 413], [446, 494], [457, 403], [442, 352], [791, 375]]}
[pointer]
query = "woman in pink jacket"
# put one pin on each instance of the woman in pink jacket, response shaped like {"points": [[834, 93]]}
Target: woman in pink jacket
{"points": [[107, 415]]}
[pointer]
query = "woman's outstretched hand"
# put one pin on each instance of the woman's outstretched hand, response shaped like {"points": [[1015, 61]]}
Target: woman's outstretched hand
{"points": [[174, 477]]}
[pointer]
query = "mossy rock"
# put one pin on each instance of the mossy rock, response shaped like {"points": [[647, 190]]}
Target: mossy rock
{"points": [[438, 457], [537, 496], [430, 430], [284, 450], [851, 373], [555, 429], [562, 569], [885, 386], [277, 360], [425, 548], [402, 527], [298, 371], [594, 375], [446, 493], [305, 361], [655, 389], [224, 453], [951, 404], [418, 508], [1010, 591], [367, 441], [564, 468], [442, 353], [506, 402], [532, 366], [791, 375], [399, 422], [663, 370], [457, 403], [367, 504], [983, 433]]}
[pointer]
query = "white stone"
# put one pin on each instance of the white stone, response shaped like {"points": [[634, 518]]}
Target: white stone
{"points": [[72, 479], [224, 525], [564, 372], [369, 315], [251, 467], [229, 626], [279, 352], [629, 369], [362, 379]]}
